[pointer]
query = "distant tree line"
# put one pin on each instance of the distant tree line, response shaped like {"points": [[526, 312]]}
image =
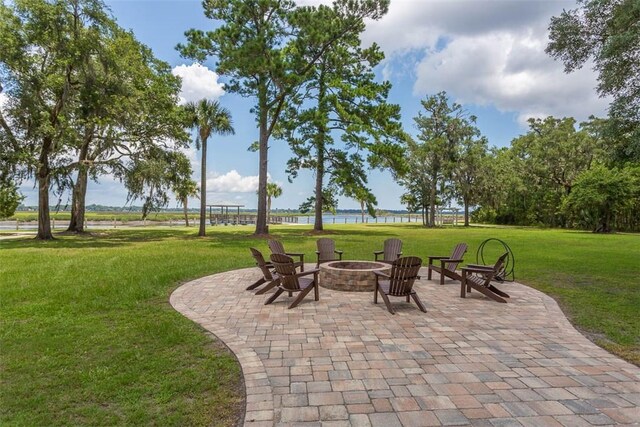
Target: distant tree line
{"points": [[556, 175], [560, 173]]}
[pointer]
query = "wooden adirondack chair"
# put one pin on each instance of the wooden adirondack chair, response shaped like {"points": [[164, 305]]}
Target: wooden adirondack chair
{"points": [[399, 283], [392, 250], [479, 277], [277, 247], [449, 264], [327, 251], [291, 281], [268, 276]]}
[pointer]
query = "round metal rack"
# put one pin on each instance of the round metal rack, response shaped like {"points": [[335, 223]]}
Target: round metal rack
{"points": [[507, 273]]}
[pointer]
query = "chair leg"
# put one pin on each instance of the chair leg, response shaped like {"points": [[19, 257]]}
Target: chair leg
{"points": [[429, 272], [272, 284], [385, 298], [486, 291], [316, 290], [256, 284], [408, 300], [303, 293], [442, 277], [498, 291], [375, 293], [273, 297], [463, 285], [418, 302]]}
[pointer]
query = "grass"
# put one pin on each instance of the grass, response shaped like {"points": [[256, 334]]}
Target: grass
{"points": [[87, 335]]}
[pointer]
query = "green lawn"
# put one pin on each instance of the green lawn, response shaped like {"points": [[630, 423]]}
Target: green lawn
{"points": [[87, 335]]}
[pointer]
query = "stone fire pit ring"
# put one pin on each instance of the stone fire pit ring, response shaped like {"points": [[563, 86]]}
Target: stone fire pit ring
{"points": [[351, 276]]}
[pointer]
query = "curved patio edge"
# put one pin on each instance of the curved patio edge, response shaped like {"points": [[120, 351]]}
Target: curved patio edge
{"points": [[467, 361]]}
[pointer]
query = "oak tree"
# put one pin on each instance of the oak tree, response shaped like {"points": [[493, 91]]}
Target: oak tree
{"points": [[607, 33]]}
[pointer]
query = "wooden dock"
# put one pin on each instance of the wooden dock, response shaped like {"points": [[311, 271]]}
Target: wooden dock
{"points": [[248, 219]]}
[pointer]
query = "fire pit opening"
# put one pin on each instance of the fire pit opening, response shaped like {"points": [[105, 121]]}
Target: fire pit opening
{"points": [[353, 276]]}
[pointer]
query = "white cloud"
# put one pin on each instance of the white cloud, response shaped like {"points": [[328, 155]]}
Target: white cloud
{"points": [[511, 72], [412, 24], [484, 53], [232, 182], [198, 82]]}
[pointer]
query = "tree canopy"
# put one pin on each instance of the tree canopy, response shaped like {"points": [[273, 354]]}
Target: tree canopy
{"points": [[262, 45], [341, 98], [444, 130], [83, 96], [607, 33]]}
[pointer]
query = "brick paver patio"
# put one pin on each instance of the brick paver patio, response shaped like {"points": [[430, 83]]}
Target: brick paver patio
{"points": [[343, 361]]}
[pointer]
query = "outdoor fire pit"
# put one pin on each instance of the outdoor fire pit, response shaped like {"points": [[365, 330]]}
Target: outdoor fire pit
{"points": [[352, 276]]}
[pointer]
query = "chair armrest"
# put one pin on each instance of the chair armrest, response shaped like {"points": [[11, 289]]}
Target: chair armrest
{"points": [[479, 266], [317, 252], [437, 257], [477, 269], [306, 273], [399, 254], [445, 260], [338, 252], [301, 256], [376, 253], [381, 274]]}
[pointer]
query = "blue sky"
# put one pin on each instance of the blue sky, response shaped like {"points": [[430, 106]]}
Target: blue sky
{"points": [[487, 54]]}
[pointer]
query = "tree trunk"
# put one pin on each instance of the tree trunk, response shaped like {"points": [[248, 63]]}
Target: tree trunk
{"points": [[268, 209], [44, 219], [78, 199], [432, 205], [72, 221], [320, 138], [203, 189], [186, 211], [466, 212], [317, 225], [79, 193], [362, 209], [261, 221]]}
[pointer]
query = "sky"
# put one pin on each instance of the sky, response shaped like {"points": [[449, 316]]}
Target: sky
{"points": [[488, 55]]}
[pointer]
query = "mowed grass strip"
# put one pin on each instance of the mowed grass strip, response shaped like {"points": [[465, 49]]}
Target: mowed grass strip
{"points": [[88, 335]]}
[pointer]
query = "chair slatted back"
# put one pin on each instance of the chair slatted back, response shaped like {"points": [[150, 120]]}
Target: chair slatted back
{"points": [[497, 269], [276, 246], [326, 248], [286, 269], [261, 263], [392, 247], [404, 271], [458, 253]]}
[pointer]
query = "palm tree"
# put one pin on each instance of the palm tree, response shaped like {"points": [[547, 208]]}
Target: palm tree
{"points": [[183, 191], [275, 191], [207, 117]]}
